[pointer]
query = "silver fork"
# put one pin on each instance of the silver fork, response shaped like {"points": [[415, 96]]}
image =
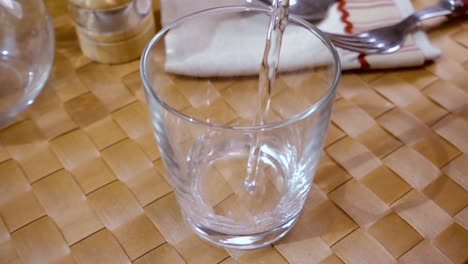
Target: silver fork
{"points": [[390, 38]]}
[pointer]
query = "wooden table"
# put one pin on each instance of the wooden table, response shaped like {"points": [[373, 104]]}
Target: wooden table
{"points": [[81, 180]]}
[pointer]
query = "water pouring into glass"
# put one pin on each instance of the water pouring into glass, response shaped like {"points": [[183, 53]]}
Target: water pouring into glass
{"points": [[241, 149]]}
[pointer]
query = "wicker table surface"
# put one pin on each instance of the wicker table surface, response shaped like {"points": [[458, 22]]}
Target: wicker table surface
{"points": [[81, 180]]}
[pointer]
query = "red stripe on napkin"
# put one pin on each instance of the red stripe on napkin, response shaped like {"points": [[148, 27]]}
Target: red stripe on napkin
{"points": [[344, 16], [349, 29], [362, 60]]}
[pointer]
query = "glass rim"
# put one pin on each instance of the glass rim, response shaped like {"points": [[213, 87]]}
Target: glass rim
{"points": [[329, 95]]}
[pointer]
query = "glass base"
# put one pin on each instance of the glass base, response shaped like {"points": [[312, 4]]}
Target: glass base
{"points": [[245, 241]]}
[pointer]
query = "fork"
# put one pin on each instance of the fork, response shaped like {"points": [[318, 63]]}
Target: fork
{"points": [[390, 38]]}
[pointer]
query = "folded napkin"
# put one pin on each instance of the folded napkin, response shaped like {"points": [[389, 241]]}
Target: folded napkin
{"points": [[223, 53]]}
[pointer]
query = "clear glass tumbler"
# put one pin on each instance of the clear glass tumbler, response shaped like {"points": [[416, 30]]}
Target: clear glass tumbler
{"points": [[27, 48], [200, 76]]}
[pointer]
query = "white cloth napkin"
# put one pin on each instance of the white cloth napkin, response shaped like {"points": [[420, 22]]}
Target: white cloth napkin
{"points": [[223, 53]]}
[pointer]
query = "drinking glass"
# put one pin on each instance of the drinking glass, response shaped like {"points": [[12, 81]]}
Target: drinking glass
{"points": [[26, 54], [200, 76]]}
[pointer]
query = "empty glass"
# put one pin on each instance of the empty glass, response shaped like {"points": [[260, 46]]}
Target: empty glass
{"points": [[26, 54], [201, 80]]}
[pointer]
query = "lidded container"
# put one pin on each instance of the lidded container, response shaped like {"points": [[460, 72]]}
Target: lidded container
{"points": [[113, 31]]}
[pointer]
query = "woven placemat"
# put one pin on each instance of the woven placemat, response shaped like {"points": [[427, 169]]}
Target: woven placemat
{"points": [[81, 179]]}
